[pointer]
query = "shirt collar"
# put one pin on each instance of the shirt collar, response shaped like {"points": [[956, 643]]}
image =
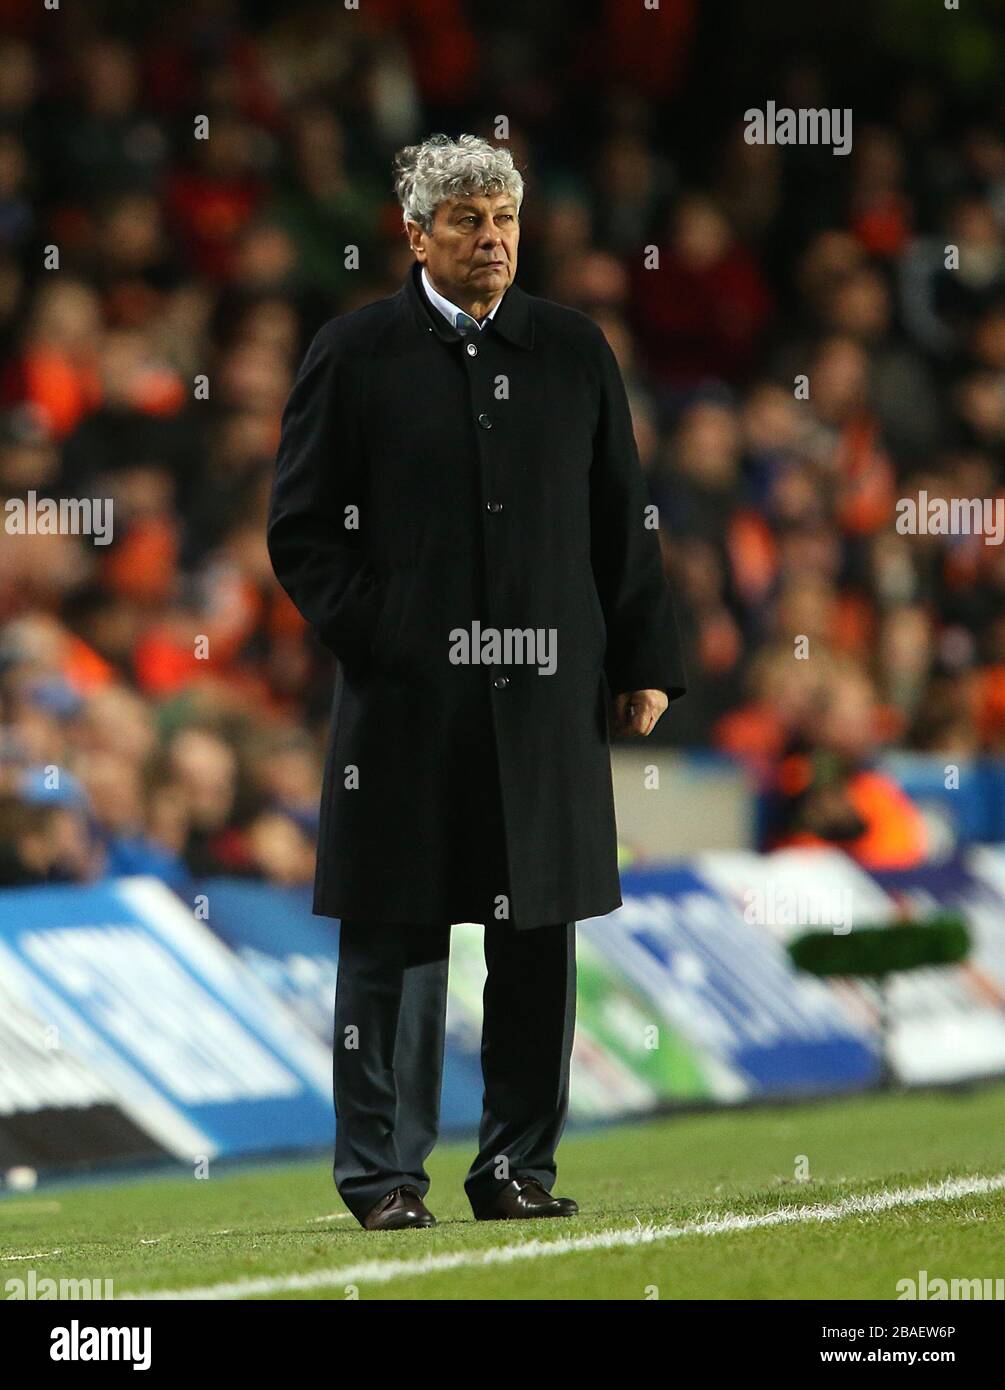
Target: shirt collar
{"points": [[450, 311], [513, 319]]}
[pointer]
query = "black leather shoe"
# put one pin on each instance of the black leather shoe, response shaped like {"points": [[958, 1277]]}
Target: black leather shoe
{"points": [[524, 1198], [401, 1209]]}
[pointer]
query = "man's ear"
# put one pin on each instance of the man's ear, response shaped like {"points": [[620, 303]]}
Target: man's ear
{"points": [[415, 235]]}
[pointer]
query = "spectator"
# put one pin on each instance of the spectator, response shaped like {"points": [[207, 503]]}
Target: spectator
{"points": [[167, 677]]}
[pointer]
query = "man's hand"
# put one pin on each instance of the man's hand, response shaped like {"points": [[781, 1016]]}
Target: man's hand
{"points": [[636, 712]]}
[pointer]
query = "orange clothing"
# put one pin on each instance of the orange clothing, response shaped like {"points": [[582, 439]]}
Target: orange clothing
{"points": [[895, 835], [64, 391], [83, 667]]}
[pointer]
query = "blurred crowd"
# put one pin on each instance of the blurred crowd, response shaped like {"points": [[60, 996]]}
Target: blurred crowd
{"points": [[817, 635]]}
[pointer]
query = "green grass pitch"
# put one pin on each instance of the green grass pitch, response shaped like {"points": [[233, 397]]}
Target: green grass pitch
{"points": [[282, 1223]]}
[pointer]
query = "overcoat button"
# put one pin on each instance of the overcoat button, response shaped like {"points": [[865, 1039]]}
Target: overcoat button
{"points": [[493, 506], [472, 350], [501, 682], [485, 421]]}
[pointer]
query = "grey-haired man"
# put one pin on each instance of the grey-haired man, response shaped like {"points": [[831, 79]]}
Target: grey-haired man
{"points": [[460, 513]]}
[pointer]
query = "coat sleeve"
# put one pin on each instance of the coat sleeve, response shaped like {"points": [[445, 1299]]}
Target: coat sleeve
{"points": [[643, 640], [316, 554]]}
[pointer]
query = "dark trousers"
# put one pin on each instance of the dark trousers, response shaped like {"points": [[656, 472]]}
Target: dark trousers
{"points": [[390, 1013]]}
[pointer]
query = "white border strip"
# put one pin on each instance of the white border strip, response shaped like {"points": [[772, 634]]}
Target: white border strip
{"points": [[384, 1271]]}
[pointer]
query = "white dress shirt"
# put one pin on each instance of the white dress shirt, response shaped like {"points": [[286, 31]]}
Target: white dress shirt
{"points": [[450, 311]]}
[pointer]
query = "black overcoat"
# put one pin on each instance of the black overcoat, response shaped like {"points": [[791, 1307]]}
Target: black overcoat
{"points": [[425, 482]]}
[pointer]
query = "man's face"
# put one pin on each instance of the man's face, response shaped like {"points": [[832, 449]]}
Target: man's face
{"points": [[471, 252]]}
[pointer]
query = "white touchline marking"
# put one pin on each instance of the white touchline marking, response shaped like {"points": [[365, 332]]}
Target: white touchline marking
{"points": [[383, 1271], [335, 1216], [38, 1255]]}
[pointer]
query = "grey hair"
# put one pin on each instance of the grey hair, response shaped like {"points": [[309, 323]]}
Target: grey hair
{"points": [[440, 168]]}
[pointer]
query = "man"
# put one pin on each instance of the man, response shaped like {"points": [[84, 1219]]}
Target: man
{"points": [[459, 512]]}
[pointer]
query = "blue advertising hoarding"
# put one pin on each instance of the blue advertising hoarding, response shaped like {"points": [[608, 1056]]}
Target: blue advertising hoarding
{"points": [[202, 1056]]}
